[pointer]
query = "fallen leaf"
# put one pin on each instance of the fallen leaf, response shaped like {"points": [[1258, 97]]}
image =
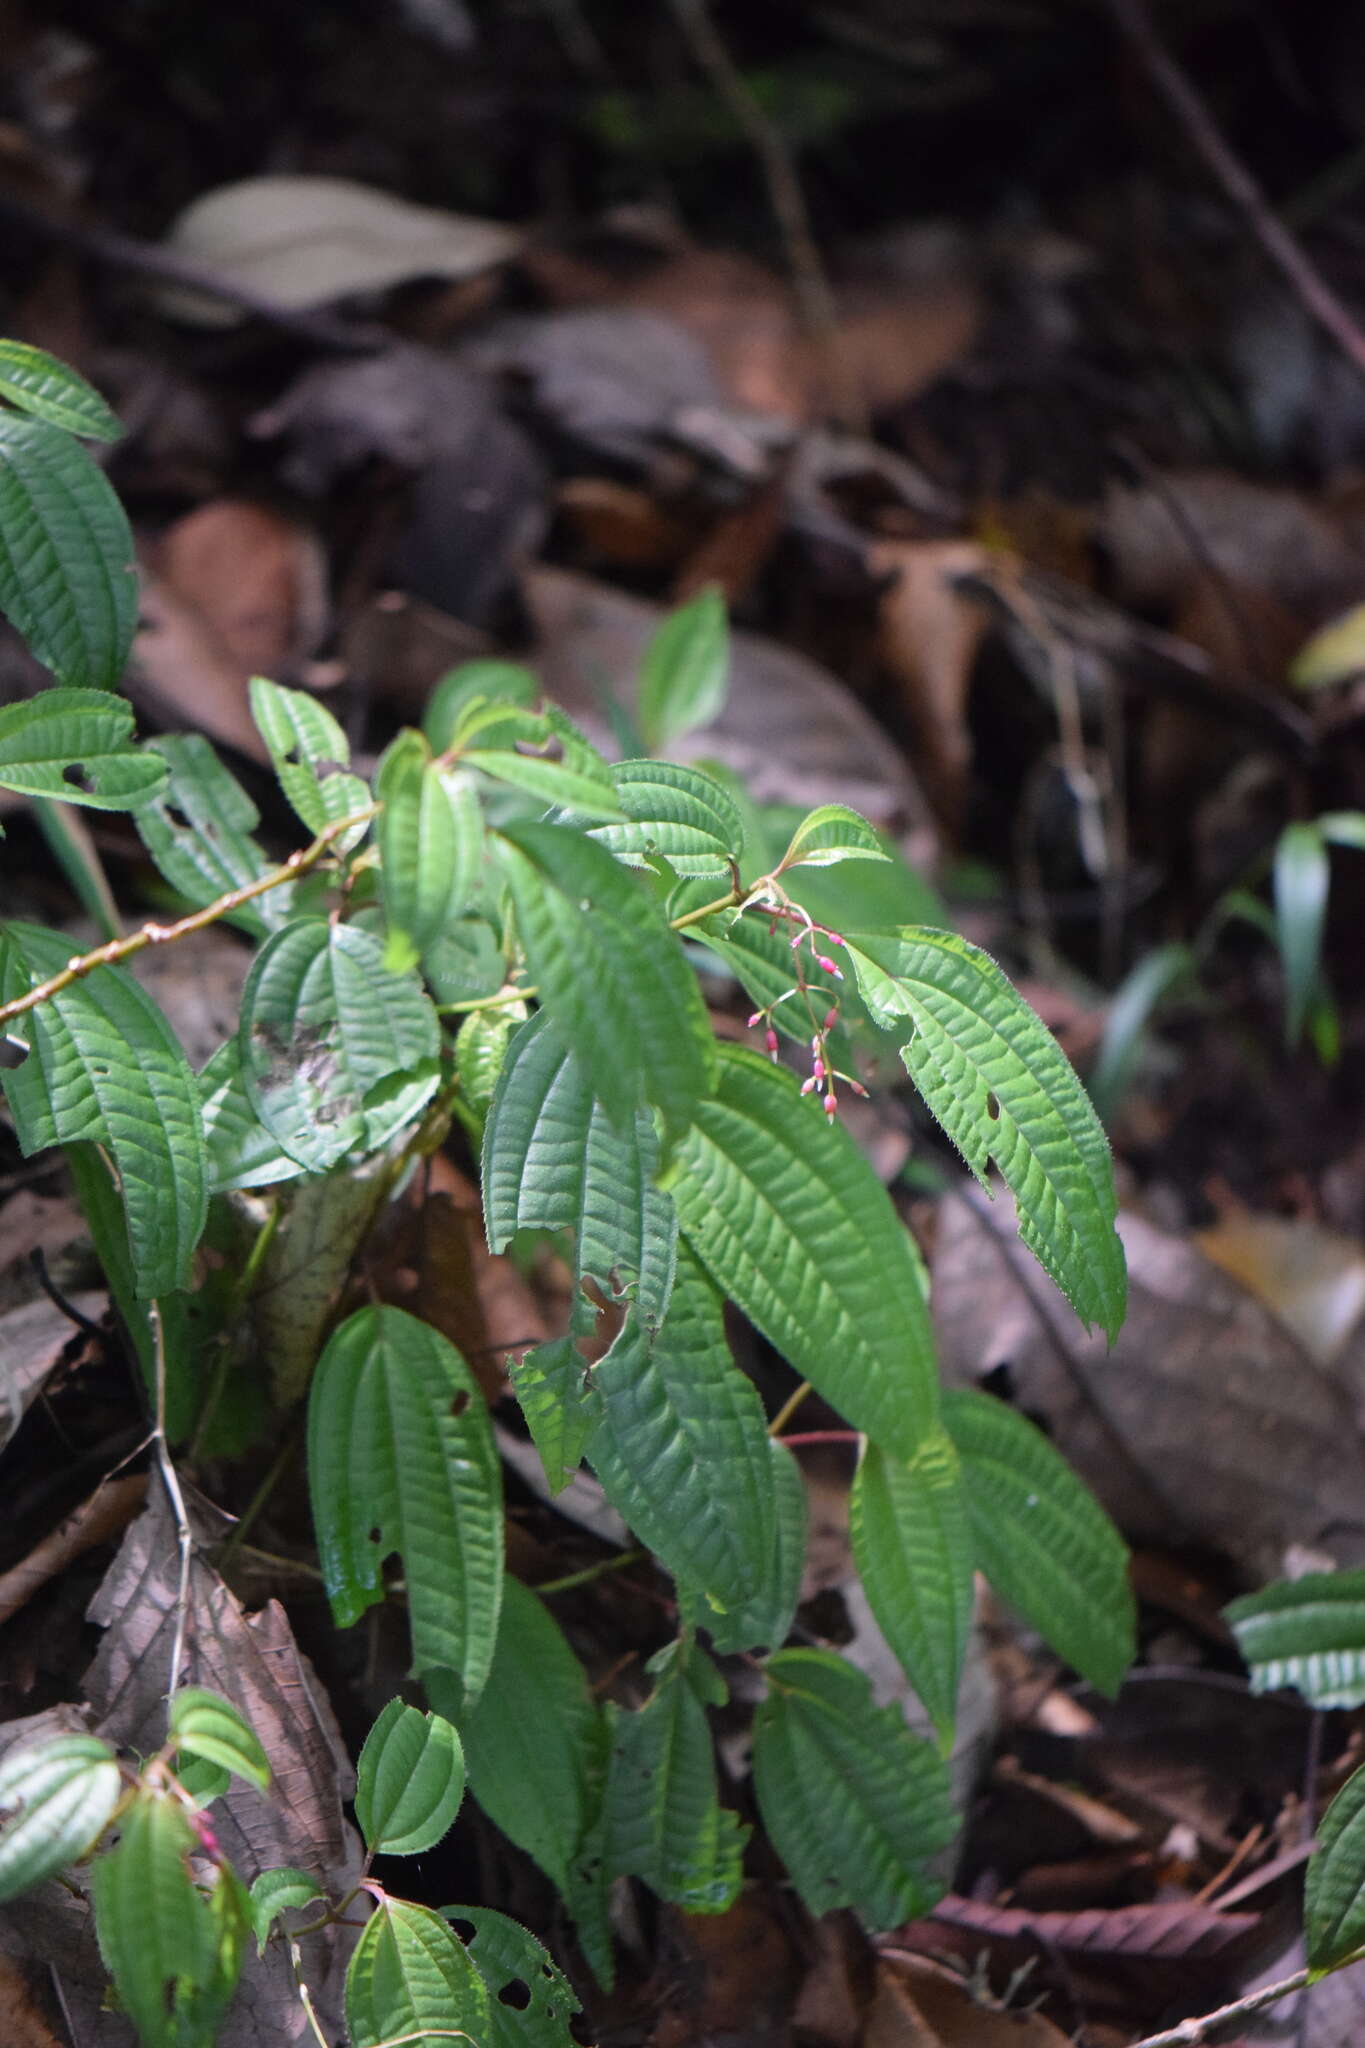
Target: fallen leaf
{"points": [[928, 637], [302, 241], [103, 1515], [32, 1341], [1172, 1932], [920, 2004], [23, 2022], [30, 1223], [183, 675], [1313, 1278], [257, 579]]}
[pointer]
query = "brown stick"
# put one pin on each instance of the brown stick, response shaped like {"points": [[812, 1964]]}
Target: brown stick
{"points": [[1284, 250]]}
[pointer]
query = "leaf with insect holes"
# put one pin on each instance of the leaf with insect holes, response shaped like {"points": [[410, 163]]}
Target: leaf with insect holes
{"points": [[430, 834], [110, 1069], [912, 1546], [530, 2002], [685, 671], [854, 1804], [205, 1725], [1003, 1090], [680, 1445], [408, 1973], [576, 776], [1307, 1632], [664, 1822], [67, 582], [791, 1222], [311, 756], [50, 390], [1334, 1891], [78, 746], [337, 1053], [173, 1953], [409, 1781], [401, 1458], [198, 831], [676, 813], [830, 834], [1042, 1539], [55, 1798], [610, 972], [241, 1152]]}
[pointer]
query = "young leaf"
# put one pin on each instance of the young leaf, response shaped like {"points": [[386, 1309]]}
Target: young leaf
{"points": [[241, 1152], [198, 831], [912, 1546], [310, 753], [611, 972], [1307, 1632], [663, 1820], [681, 1448], [474, 682], [409, 1781], [109, 1068], [685, 671], [276, 1892], [77, 745], [1042, 1539], [337, 1053], [788, 1218], [38, 384], [55, 1798], [764, 1622], [530, 2002], [407, 1973], [206, 1725], [173, 1954], [830, 834], [1334, 1891], [1301, 881], [430, 835], [678, 813], [401, 1457], [1131, 1007], [854, 1803], [1000, 1085], [578, 777], [67, 582]]}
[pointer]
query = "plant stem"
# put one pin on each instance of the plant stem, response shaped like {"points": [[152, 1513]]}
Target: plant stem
{"points": [[789, 1408], [820, 1436], [591, 1572], [170, 1479]]}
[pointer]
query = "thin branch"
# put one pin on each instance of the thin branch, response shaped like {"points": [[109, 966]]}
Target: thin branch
{"points": [[1284, 249], [170, 1479], [166, 934]]}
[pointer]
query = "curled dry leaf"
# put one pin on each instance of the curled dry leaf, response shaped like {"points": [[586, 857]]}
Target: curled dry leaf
{"points": [[928, 637], [258, 580], [184, 676], [919, 2004]]}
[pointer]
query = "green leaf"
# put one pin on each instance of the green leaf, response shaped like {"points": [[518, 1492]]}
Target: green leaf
{"points": [[535, 1739], [678, 813], [1334, 1891], [174, 1955], [56, 1798], [207, 1726], [1333, 654], [681, 1447], [912, 1546], [241, 1151], [481, 1045], [401, 1458], [854, 1803], [465, 963], [789, 1219], [611, 972], [67, 582], [530, 2002], [408, 1973], [409, 1781], [110, 1069], [764, 1622], [50, 390], [1131, 1007], [198, 831], [311, 755], [77, 745], [663, 1821], [1307, 1632], [685, 672], [1343, 828], [474, 682], [337, 1053], [430, 835], [204, 1781], [576, 776], [1042, 1539], [1000, 1085], [830, 834], [280, 1891], [1301, 880]]}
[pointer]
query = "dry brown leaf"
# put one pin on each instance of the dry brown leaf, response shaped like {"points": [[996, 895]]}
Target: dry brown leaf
{"points": [[323, 1221], [1206, 1422], [32, 1341], [621, 524], [30, 1223], [257, 579], [399, 648], [1313, 1278], [1174, 1932], [22, 2020], [919, 2004], [103, 1515], [184, 676], [928, 638]]}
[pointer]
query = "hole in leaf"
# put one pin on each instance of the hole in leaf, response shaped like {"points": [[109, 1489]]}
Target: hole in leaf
{"points": [[176, 818], [465, 1929], [459, 1404], [75, 774], [291, 757], [516, 1993], [376, 1535], [993, 1106]]}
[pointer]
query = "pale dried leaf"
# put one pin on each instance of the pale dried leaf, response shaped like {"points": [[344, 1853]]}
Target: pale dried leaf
{"points": [[259, 581], [32, 1340], [1173, 1932], [183, 674], [1313, 1278], [305, 1267], [919, 2004], [928, 637]]}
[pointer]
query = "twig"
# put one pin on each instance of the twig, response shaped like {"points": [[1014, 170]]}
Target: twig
{"points": [[1284, 250], [814, 297], [170, 1479], [1191, 2032]]}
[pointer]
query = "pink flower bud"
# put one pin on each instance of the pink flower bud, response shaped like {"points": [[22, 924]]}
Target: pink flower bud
{"points": [[755, 1020], [831, 1105], [829, 967], [818, 1071], [831, 1018], [771, 1038], [834, 938], [806, 1086]]}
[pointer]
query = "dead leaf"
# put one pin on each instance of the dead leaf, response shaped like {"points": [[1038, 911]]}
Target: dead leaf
{"points": [[30, 1223], [103, 1515], [302, 241], [183, 675], [920, 2004], [622, 525], [1313, 1278], [32, 1341], [399, 649], [257, 579], [928, 637], [1172, 1932], [23, 2022], [323, 1220], [725, 1975]]}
